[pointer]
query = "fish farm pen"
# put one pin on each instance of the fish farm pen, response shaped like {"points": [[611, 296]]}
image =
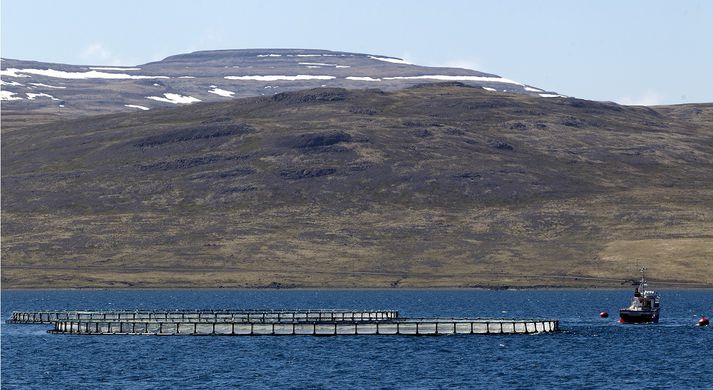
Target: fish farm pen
{"points": [[253, 315], [271, 322]]}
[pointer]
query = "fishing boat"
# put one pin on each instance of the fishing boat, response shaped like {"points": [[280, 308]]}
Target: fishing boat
{"points": [[645, 306]]}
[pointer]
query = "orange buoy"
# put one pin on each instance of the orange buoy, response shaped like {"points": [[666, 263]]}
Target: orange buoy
{"points": [[703, 321], [604, 314]]}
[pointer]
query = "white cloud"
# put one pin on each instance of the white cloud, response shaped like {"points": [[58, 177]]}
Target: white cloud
{"points": [[96, 53], [647, 98]]}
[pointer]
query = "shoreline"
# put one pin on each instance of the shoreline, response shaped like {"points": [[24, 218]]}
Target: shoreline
{"points": [[504, 288]]}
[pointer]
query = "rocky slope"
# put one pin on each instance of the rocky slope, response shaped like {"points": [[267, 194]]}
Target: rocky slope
{"points": [[35, 91], [433, 185]]}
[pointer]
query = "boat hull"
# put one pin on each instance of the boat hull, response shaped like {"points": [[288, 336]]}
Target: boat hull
{"points": [[639, 316]]}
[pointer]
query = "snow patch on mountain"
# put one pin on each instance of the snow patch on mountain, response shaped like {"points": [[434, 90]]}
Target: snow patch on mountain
{"points": [[298, 77], [391, 60], [11, 72], [361, 78], [455, 78], [7, 95], [92, 74], [33, 96], [318, 64], [46, 86], [220, 92], [136, 106], [174, 98]]}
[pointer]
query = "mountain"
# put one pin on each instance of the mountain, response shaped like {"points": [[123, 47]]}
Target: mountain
{"points": [[49, 91], [430, 185]]}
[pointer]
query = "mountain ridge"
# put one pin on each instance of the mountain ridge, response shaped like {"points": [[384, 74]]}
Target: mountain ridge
{"points": [[36, 91]]}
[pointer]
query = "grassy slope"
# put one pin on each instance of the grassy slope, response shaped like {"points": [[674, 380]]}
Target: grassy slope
{"points": [[430, 186]]}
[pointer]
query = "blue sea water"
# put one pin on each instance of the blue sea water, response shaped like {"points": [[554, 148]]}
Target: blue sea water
{"points": [[589, 352]]}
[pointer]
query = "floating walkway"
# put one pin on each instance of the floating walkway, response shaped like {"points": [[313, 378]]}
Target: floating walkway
{"points": [[271, 322]]}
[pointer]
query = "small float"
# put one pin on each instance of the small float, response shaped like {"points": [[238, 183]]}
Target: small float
{"points": [[645, 306]]}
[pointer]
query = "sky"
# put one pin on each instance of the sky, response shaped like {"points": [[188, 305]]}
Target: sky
{"points": [[632, 52]]}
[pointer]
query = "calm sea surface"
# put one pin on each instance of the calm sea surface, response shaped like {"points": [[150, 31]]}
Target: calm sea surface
{"points": [[590, 352]]}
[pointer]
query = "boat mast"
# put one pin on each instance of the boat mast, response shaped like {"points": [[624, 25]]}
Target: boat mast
{"points": [[642, 284]]}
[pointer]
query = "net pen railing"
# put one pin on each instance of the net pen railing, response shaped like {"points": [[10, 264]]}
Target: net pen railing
{"points": [[251, 315], [419, 326]]}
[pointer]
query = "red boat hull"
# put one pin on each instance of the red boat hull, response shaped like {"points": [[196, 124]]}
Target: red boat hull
{"points": [[639, 317]]}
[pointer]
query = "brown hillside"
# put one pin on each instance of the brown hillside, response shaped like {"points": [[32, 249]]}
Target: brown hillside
{"points": [[438, 185]]}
